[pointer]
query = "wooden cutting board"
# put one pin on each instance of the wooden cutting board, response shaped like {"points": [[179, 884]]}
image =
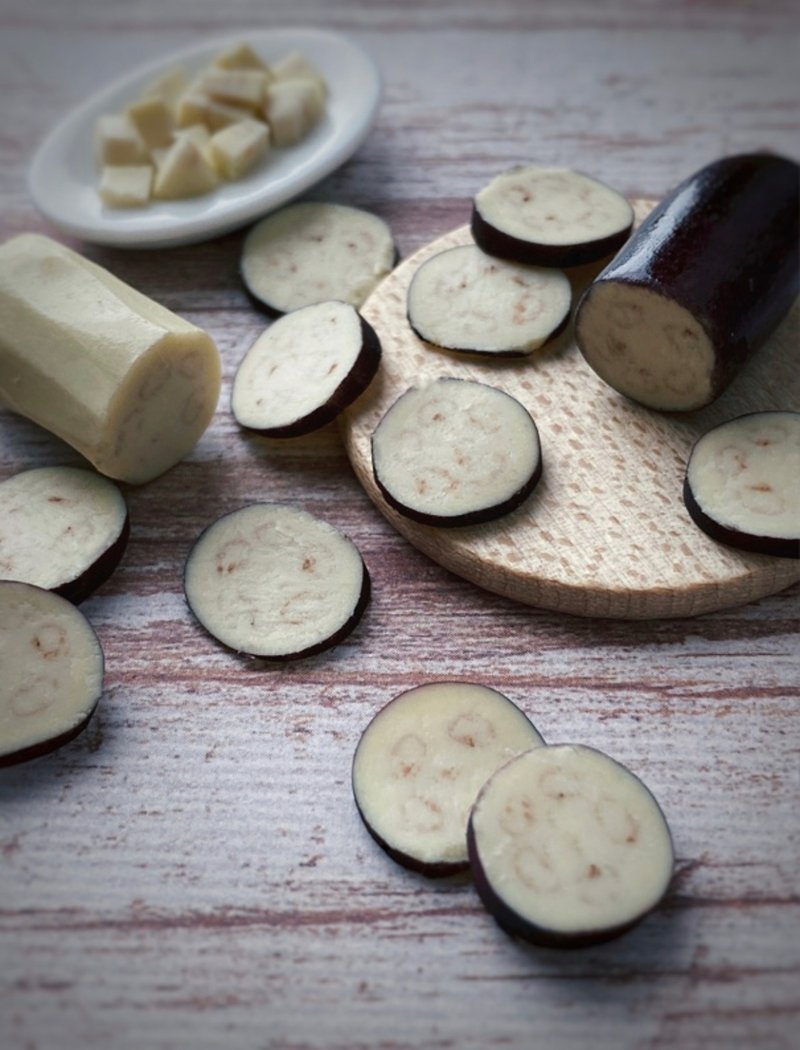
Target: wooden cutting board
{"points": [[605, 533]]}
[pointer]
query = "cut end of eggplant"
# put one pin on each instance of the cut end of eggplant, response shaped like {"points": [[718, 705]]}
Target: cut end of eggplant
{"points": [[456, 452], [52, 672], [274, 582], [463, 299], [549, 217], [421, 762], [305, 369], [646, 346], [701, 285], [568, 847], [61, 528], [315, 251], [742, 484]]}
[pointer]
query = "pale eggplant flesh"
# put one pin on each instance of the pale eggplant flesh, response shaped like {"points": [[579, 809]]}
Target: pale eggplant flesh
{"points": [[311, 251]]}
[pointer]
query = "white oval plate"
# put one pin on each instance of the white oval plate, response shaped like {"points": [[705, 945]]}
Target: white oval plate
{"points": [[63, 177]]}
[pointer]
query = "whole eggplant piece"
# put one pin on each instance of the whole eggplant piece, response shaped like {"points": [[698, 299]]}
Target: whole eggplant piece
{"points": [[700, 286]]}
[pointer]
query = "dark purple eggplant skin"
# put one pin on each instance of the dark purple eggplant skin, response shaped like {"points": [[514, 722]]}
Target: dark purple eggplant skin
{"points": [[87, 583], [724, 245], [532, 253], [351, 388]]}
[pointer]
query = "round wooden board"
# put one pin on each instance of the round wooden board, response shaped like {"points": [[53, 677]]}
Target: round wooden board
{"points": [[605, 533]]}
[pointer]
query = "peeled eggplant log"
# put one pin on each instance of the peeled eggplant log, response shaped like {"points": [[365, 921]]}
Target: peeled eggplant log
{"points": [[568, 847], [420, 764], [742, 484], [61, 528], [549, 217], [122, 379], [699, 287], [52, 672], [304, 370]]}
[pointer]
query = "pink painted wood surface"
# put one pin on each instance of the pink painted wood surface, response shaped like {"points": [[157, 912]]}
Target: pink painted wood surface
{"points": [[191, 871]]}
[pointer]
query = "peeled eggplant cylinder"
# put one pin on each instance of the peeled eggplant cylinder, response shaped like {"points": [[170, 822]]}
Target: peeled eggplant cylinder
{"points": [[699, 287], [122, 379]]}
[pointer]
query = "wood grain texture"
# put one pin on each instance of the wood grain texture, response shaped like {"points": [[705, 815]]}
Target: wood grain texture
{"points": [[605, 533], [191, 872]]}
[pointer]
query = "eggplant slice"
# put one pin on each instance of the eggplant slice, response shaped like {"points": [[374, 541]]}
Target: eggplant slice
{"points": [[742, 483], [456, 452], [52, 672], [462, 299], [549, 217], [313, 251], [304, 370], [420, 763], [700, 286], [272, 581], [61, 528], [568, 847]]}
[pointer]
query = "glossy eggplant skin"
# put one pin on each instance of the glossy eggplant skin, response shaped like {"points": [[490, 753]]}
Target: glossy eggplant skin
{"points": [[723, 245]]}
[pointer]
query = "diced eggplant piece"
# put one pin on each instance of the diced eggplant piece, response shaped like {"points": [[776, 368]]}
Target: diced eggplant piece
{"points": [[61, 528], [462, 299], [305, 369], [742, 483], [421, 762], [314, 251], [700, 286], [455, 452], [567, 847], [125, 381], [274, 582], [52, 672], [549, 217]]}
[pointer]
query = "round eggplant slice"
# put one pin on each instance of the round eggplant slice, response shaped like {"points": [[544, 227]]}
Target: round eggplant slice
{"points": [[455, 452], [314, 251], [275, 582], [742, 483], [61, 528], [305, 369], [549, 217], [52, 672], [420, 764], [700, 286], [462, 299], [567, 847]]}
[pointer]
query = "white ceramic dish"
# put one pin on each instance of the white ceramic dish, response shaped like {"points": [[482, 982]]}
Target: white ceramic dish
{"points": [[63, 178]]}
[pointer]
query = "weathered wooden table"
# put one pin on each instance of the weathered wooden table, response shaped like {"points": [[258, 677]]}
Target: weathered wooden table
{"points": [[192, 871]]}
